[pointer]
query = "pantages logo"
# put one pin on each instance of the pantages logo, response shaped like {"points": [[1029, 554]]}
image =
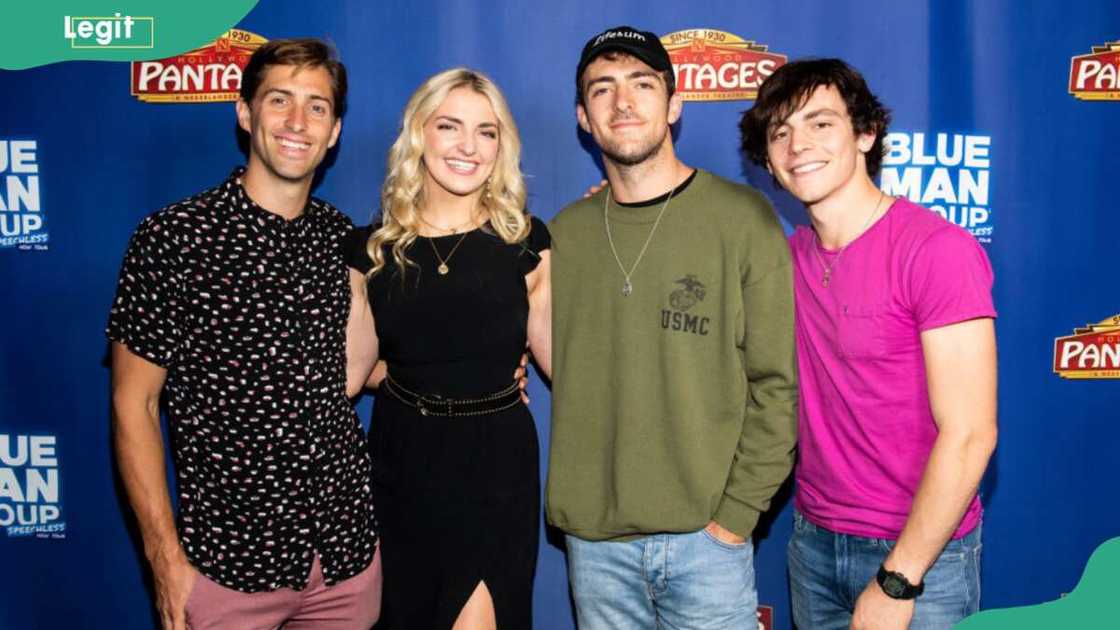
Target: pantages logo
{"points": [[1090, 352], [715, 65], [208, 74], [765, 617], [1096, 76]]}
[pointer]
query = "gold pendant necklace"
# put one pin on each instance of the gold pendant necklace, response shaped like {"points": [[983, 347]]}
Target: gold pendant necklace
{"points": [[443, 268]]}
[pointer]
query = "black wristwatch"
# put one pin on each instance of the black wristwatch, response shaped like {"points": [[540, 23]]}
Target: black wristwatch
{"points": [[896, 586]]}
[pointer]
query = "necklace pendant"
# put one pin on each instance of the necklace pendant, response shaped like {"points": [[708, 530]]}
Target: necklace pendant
{"points": [[627, 288], [443, 269], [826, 278]]}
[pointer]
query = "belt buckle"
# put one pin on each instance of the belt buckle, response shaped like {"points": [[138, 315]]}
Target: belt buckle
{"points": [[429, 406]]}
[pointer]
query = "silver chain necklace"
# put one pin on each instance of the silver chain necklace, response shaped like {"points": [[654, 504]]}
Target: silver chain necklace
{"points": [[826, 278], [627, 286]]}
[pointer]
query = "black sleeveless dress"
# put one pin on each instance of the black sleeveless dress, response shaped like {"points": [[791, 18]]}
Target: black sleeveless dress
{"points": [[458, 498]]}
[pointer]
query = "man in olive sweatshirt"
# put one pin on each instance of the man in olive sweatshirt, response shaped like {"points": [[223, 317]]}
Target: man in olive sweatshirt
{"points": [[674, 380]]}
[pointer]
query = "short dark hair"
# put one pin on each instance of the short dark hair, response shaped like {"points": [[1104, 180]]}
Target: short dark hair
{"points": [[791, 85], [615, 55], [304, 52]]}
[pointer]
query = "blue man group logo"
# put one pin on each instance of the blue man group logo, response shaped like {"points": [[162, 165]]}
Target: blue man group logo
{"points": [[22, 221], [30, 487], [949, 173]]}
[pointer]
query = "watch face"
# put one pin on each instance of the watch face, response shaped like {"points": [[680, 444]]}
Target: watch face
{"points": [[893, 586]]}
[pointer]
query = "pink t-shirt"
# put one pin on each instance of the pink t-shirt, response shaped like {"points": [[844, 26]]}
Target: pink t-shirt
{"points": [[866, 429]]}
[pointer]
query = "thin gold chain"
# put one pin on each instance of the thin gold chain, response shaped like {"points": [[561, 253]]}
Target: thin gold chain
{"points": [[450, 230], [443, 268]]}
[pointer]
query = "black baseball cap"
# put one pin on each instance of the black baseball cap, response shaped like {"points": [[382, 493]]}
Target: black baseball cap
{"points": [[642, 44]]}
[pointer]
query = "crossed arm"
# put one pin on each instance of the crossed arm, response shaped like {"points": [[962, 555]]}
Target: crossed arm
{"points": [[960, 362]]}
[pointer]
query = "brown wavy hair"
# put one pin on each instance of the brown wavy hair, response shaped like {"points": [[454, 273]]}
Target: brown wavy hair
{"points": [[791, 85], [304, 52]]}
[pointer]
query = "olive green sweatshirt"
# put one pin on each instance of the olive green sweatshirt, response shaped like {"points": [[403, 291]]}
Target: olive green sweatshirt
{"points": [[674, 405]]}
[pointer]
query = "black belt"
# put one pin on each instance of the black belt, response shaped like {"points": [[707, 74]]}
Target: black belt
{"points": [[436, 405]]}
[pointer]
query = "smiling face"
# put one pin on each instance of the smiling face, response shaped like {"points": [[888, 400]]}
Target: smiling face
{"points": [[461, 140], [627, 109], [291, 123], [815, 153]]}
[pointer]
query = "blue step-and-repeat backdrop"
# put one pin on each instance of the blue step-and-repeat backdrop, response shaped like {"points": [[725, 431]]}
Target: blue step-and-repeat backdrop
{"points": [[1005, 121]]}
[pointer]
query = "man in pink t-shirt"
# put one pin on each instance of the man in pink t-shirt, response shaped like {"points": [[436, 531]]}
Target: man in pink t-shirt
{"points": [[897, 366]]}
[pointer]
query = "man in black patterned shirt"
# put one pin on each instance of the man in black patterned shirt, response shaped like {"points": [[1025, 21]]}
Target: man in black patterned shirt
{"points": [[233, 305]]}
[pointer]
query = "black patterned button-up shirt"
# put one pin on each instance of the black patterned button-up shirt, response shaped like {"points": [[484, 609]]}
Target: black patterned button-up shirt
{"points": [[247, 312]]}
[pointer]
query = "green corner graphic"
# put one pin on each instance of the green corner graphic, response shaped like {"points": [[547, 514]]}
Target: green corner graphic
{"points": [[1091, 605], [40, 33]]}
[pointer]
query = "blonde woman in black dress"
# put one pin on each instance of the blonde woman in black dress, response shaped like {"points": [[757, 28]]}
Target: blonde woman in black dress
{"points": [[456, 281]]}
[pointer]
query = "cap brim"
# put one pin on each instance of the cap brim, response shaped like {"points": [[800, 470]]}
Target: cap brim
{"points": [[621, 46]]}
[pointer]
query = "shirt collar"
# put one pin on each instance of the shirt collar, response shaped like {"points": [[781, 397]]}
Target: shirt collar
{"points": [[240, 201]]}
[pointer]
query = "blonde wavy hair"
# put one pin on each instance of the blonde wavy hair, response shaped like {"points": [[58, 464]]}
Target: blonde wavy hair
{"points": [[402, 194]]}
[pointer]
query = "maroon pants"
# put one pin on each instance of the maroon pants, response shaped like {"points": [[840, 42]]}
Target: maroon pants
{"points": [[352, 604]]}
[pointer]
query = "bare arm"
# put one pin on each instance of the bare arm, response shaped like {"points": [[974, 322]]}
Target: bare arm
{"points": [[139, 448], [361, 336], [380, 371], [539, 284], [961, 375]]}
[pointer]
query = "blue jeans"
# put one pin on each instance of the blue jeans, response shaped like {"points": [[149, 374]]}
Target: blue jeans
{"points": [[828, 571], [672, 581]]}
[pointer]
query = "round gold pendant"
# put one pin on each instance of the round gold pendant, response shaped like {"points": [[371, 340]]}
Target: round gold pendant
{"points": [[442, 269]]}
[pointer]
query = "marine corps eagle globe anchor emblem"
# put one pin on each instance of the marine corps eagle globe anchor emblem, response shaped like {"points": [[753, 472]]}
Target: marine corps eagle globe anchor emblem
{"points": [[691, 292]]}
